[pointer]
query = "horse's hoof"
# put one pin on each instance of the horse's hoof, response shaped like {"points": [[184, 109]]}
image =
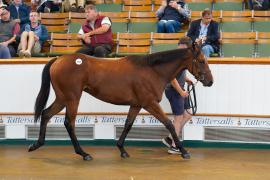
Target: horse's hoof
{"points": [[32, 147], [185, 155], [87, 158], [125, 155]]}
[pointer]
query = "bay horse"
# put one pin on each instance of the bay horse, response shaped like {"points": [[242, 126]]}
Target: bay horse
{"points": [[137, 81]]}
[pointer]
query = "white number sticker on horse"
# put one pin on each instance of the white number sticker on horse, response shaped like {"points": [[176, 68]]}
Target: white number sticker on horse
{"points": [[78, 61]]}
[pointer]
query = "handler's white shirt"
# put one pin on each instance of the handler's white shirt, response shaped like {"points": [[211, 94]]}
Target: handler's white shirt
{"points": [[105, 20]]}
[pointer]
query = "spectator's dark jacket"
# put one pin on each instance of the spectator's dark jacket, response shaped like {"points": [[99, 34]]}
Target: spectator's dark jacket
{"points": [[212, 33], [22, 14]]}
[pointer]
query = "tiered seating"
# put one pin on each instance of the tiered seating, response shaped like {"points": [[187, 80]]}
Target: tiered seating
{"points": [[142, 22], [263, 44], [133, 43], [134, 22], [64, 44], [165, 41], [236, 21], [262, 21], [137, 5], [238, 44], [109, 5], [55, 22], [199, 5], [228, 5]]}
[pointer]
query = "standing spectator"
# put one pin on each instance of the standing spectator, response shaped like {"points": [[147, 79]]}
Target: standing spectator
{"points": [[96, 33], [177, 96], [9, 30], [33, 37], [171, 14], [19, 12], [205, 31]]}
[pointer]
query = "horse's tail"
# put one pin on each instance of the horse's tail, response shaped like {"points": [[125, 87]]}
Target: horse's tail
{"points": [[44, 91]]}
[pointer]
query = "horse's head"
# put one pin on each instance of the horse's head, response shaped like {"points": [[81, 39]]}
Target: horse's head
{"points": [[199, 66]]}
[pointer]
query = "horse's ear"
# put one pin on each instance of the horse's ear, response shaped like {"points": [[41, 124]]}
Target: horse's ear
{"points": [[197, 45]]}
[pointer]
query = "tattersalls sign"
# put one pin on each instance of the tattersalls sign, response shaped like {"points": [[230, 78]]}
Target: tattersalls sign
{"points": [[142, 120]]}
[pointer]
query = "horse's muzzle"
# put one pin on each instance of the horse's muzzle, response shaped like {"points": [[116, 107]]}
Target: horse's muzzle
{"points": [[210, 83]]}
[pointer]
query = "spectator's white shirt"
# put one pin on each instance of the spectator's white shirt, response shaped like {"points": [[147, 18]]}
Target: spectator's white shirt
{"points": [[105, 20], [203, 30]]}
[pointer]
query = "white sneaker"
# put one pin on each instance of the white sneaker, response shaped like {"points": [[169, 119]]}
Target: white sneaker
{"points": [[173, 150]]}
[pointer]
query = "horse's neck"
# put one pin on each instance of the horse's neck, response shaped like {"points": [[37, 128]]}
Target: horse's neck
{"points": [[168, 71]]}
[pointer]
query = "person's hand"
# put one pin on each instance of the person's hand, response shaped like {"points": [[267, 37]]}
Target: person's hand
{"points": [[17, 20], [88, 34], [189, 82], [184, 93], [36, 38], [87, 40], [198, 40], [174, 4], [4, 43]]}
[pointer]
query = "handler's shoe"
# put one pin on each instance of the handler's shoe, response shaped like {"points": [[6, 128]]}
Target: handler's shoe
{"points": [[173, 150], [167, 141]]}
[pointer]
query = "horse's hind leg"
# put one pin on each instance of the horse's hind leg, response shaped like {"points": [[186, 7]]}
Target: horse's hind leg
{"points": [[46, 115], [155, 109], [133, 111], [71, 112]]}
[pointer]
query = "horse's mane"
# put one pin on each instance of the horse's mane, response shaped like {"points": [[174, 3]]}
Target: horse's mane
{"points": [[159, 57]]}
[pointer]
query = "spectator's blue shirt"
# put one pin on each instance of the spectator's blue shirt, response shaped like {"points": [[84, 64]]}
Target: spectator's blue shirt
{"points": [[40, 31]]}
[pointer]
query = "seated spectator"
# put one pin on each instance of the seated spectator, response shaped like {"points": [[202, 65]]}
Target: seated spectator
{"points": [[259, 4], [19, 12], [171, 14], [9, 30], [46, 6], [33, 37], [96, 33], [205, 31]]}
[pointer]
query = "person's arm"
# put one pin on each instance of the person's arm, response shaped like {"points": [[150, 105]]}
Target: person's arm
{"points": [[184, 11], [160, 10], [215, 35], [104, 28], [178, 88], [16, 31], [44, 35]]}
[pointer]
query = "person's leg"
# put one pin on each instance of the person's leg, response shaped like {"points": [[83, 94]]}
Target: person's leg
{"points": [[31, 42], [23, 45], [36, 48], [177, 123], [161, 26], [86, 49], [172, 26], [12, 50], [207, 50], [102, 50], [4, 52], [177, 105]]}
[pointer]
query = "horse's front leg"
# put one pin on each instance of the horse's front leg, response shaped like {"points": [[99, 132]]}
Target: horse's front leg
{"points": [[71, 112], [155, 109], [133, 112]]}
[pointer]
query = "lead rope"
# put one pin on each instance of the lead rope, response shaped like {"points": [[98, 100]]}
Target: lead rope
{"points": [[192, 105]]}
